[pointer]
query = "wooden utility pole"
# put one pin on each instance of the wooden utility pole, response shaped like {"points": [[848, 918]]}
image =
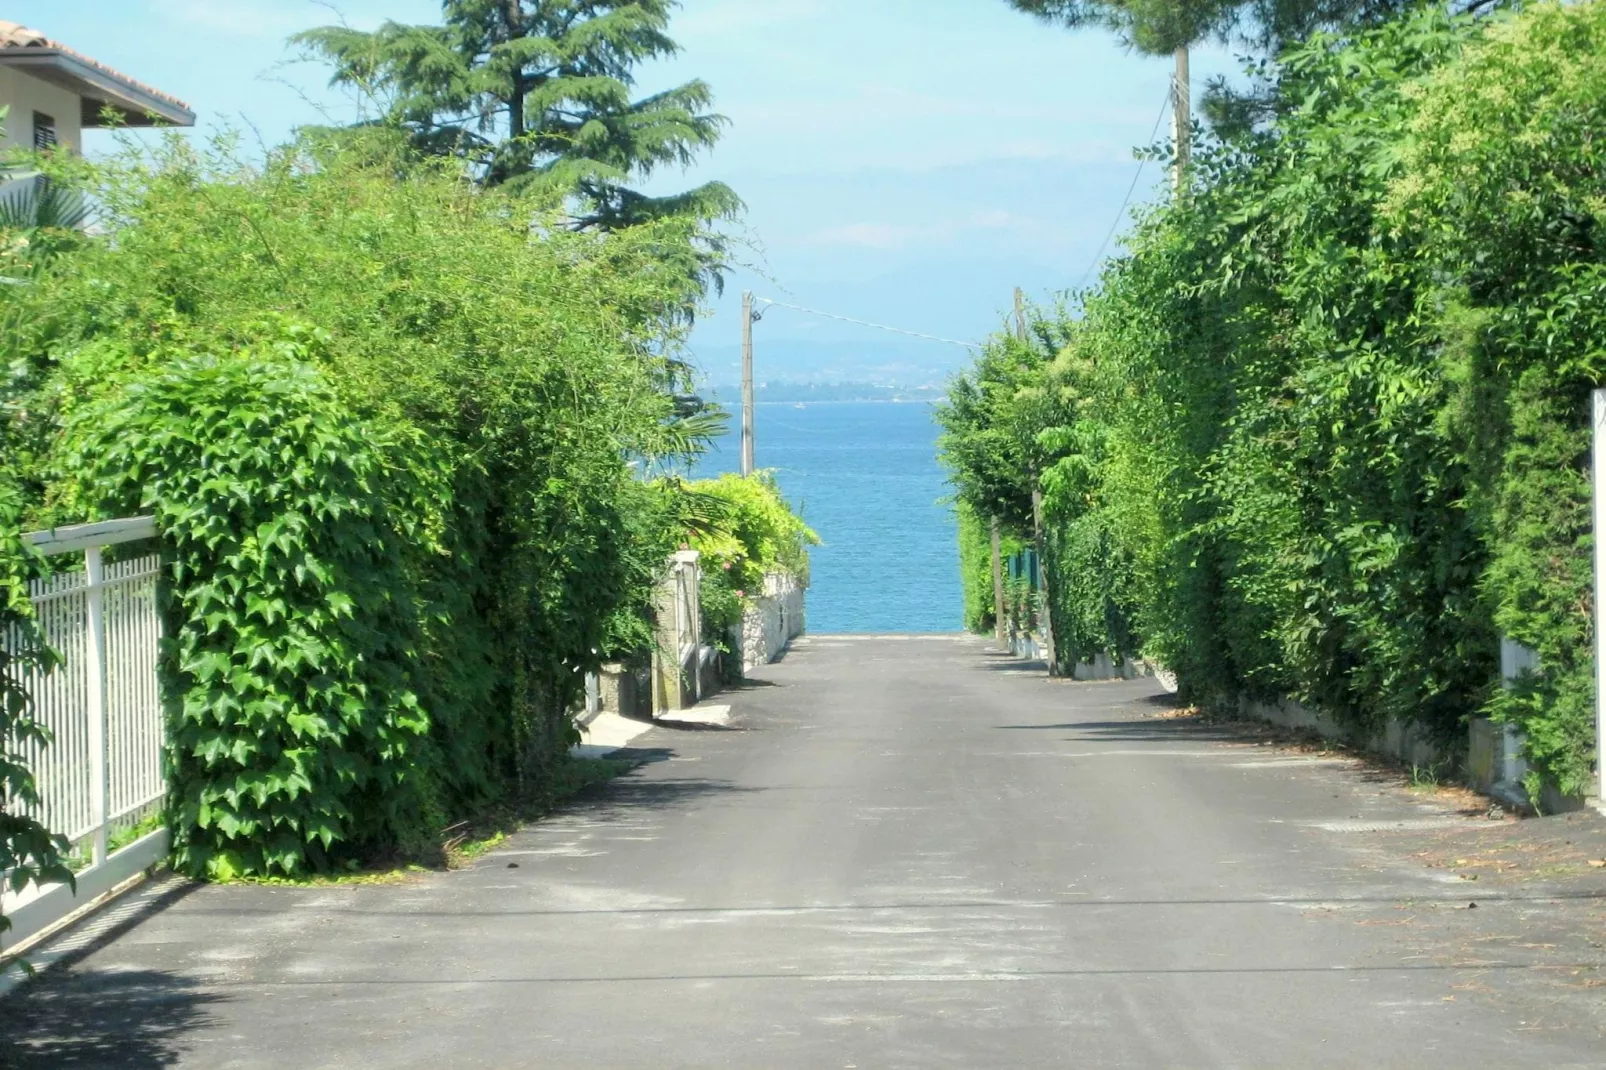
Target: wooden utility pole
{"points": [[1050, 652], [1000, 624], [1037, 521], [747, 382], [1181, 119]]}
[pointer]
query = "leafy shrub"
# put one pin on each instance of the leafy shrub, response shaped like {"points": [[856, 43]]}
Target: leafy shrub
{"points": [[976, 569], [745, 530], [752, 529], [1501, 179]]}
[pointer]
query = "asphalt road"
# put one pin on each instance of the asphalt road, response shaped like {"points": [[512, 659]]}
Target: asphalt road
{"points": [[902, 853]]}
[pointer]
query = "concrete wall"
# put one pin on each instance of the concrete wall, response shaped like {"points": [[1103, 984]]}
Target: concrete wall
{"points": [[680, 670], [1105, 667], [1493, 761], [25, 95], [1025, 645], [772, 621], [1397, 740]]}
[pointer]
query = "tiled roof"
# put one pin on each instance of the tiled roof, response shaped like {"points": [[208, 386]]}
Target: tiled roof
{"points": [[14, 35]]}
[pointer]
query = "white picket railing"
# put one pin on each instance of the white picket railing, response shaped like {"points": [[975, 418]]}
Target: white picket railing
{"points": [[102, 769]]}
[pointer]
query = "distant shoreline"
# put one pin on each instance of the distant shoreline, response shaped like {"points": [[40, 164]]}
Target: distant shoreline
{"points": [[784, 393], [853, 401]]}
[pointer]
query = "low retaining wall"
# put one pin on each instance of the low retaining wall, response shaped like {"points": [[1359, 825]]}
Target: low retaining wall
{"points": [[1106, 667], [1492, 762], [1025, 645], [772, 620], [1495, 766], [1397, 740]]}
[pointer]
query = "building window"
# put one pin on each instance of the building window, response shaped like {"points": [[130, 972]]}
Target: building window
{"points": [[44, 131]]}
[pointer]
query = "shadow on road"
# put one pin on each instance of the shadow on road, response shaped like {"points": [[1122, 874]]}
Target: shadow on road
{"points": [[694, 726], [750, 684], [1010, 663], [626, 794], [1138, 731], [127, 1019]]}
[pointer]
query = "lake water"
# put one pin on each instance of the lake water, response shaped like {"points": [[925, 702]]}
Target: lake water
{"points": [[865, 476]]}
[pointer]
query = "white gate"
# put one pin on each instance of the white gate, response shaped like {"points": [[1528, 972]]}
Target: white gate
{"points": [[100, 778]]}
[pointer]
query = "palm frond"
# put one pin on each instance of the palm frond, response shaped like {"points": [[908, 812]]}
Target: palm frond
{"points": [[36, 203]]}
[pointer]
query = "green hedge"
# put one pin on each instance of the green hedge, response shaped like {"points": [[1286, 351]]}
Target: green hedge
{"points": [[976, 569], [387, 422], [1323, 431]]}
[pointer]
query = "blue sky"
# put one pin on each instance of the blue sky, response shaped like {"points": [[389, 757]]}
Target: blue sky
{"points": [[903, 161]]}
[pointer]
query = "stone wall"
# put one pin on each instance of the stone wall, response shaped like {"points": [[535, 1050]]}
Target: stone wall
{"points": [[772, 620]]}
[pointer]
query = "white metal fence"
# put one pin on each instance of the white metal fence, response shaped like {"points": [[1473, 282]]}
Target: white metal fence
{"points": [[102, 770]]}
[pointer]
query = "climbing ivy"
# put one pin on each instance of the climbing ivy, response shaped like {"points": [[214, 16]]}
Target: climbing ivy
{"points": [[295, 735]]}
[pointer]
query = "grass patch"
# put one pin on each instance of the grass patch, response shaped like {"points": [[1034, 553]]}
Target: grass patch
{"points": [[80, 857], [1426, 778], [470, 839]]}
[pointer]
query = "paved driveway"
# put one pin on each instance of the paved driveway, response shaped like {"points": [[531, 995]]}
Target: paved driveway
{"points": [[902, 853]]}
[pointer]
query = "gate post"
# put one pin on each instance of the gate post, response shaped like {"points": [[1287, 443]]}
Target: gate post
{"points": [[99, 773]]}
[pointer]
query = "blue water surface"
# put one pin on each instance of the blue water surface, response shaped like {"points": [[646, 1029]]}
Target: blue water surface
{"points": [[865, 476]]}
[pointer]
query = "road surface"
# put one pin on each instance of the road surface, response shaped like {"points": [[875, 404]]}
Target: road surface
{"points": [[903, 852]]}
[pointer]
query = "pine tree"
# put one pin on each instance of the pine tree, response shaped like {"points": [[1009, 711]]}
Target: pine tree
{"points": [[536, 95]]}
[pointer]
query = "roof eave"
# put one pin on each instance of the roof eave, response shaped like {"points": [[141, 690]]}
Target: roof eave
{"points": [[134, 104]]}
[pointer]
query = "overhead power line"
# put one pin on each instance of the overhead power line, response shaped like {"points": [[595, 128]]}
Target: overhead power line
{"points": [[867, 323], [1120, 213]]}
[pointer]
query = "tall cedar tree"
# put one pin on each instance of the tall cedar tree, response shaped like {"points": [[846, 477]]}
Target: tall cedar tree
{"points": [[1266, 27], [537, 94]]}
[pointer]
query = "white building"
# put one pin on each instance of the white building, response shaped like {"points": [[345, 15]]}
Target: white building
{"points": [[54, 94]]}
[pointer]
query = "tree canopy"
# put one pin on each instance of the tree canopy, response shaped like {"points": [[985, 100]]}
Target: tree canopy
{"points": [[1161, 26], [537, 96]]}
